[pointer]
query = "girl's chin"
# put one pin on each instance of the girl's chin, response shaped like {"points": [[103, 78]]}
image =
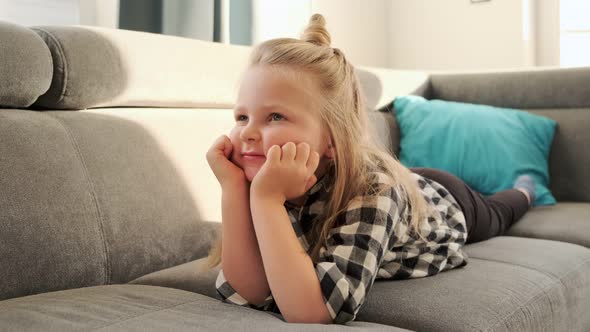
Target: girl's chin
{"points": [[250, 173]]}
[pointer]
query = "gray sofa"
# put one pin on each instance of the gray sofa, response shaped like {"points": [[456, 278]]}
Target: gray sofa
{"points": [[108, 207]]}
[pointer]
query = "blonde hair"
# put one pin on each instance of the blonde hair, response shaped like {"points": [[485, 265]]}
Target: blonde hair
{"points": [[343, 115]]}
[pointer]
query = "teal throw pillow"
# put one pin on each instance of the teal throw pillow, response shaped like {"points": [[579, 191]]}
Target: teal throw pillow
{"points": [[487, 147]]}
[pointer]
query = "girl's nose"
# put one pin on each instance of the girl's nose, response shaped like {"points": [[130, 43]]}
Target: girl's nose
{"points": [[250, 133]]}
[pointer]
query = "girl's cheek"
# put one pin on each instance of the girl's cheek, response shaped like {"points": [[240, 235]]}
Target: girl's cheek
{"points": [[234, 134]]}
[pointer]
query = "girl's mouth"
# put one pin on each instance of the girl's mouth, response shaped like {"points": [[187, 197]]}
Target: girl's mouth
{"points": [[251, 157]]}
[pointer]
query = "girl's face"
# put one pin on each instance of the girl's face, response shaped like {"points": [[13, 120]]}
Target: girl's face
{"points": [[273, 110]]}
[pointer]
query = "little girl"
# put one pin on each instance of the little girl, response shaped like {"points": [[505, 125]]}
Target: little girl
{"points": [[314, 209]]}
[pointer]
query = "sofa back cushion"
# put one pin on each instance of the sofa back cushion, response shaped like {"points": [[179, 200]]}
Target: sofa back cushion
{"points": [[569, 157], [51, 236], [151, 181], [524, 89], [101, 67], [104, 196], [25, 67]]}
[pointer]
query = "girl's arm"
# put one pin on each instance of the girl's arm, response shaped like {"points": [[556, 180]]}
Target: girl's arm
{"points": [[333, 290], [291, 274], [241, 259]]}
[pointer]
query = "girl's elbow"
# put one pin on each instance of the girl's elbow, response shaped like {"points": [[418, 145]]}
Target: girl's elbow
{"points": [[324, 318], [310, 321]]}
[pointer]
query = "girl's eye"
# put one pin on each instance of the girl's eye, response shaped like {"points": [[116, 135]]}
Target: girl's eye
{"points": [[282, 117], [273, 116]]}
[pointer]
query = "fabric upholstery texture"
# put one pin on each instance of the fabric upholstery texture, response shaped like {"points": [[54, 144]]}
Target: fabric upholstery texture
{"points": [[106, 198], [509, 284], [523, 278], [146, 308], [150, 213], [193, 276], [99, 67], [83, 73], [568, 174], [26, 68], [565, 221], [531, 89], [50, 230]]}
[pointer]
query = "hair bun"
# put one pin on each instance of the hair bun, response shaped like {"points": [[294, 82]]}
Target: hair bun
{"points": [[316, 32]]}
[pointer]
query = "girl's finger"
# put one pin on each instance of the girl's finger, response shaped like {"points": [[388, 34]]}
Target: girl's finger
{"points": [[227, 146], [273, 154], [313, 161], [302, 152], [220, 145], [289, 151]]}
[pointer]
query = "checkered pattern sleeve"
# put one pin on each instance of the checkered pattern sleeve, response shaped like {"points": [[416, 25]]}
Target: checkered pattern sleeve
{"points": [[229, 294], [348, 263]]}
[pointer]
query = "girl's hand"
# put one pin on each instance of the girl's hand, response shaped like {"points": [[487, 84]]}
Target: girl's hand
{"points": [[220, 162], [287, 173]]}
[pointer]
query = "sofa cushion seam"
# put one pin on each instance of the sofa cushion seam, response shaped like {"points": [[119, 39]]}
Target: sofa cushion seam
{"points": [[145, 313], [62, 55], [551, 275], [535, 236], [94, 197]]}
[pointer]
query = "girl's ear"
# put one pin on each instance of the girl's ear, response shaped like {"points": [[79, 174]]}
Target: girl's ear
{"points": [[330, 153]]}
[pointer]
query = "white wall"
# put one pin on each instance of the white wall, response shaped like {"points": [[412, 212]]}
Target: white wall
{"points": [[458, 35], [360, 28], [574, 36], [39, 12], [426, 34], [104, 13], [275, 19], [401, 34], [547, 46]]}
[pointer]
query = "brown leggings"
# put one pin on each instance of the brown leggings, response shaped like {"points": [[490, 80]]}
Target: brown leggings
{"points": [[485, 217]]}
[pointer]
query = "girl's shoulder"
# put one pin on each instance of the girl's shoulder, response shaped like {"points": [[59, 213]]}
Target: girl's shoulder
{"points": [[438, 196], [380, 193], [431, 188], [384, 194]]}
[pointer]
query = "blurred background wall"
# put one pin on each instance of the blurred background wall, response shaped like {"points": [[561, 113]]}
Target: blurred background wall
{"points": [[402, 34]]}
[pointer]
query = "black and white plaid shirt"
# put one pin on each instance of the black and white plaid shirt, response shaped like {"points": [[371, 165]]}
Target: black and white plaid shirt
{"points": [[372, 242]]}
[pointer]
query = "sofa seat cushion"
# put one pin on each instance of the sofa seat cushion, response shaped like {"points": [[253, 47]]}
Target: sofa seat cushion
{"points": [[193, 276], [144, 308], [509, 284], [567, 222]]}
